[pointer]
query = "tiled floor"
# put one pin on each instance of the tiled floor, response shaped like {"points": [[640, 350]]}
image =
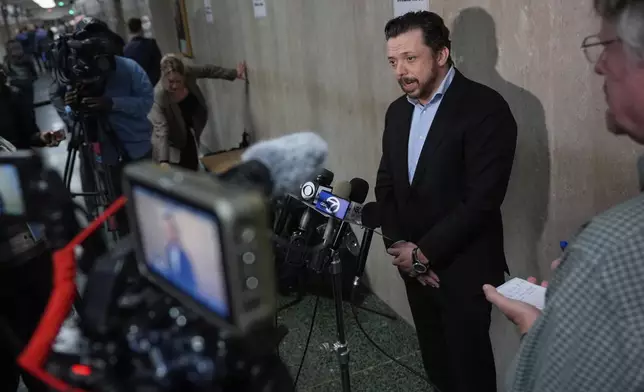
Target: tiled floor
{"points": [[370, 370]]}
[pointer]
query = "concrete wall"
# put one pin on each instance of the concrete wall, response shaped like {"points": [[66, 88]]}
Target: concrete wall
{"points": [[321, 65]]}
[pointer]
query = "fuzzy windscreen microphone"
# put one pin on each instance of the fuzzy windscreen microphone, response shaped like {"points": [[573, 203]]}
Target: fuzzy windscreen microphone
{"points": [[281, 165]]}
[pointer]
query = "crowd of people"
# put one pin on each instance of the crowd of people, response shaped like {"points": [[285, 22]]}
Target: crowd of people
{"points": [[448, 151]]}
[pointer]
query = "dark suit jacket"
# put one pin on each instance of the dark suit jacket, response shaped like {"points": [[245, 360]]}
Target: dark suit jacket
{"points": [[452, 208], [146, 52]]}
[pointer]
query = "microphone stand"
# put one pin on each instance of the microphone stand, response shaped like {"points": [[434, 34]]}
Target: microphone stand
{"points": [[278, 228], [341, 347], [365, 245]]}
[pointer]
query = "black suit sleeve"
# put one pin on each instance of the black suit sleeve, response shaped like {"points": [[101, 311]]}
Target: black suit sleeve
{"points": [[155, 62], [385, 195], [488, 156], [29, 135]]}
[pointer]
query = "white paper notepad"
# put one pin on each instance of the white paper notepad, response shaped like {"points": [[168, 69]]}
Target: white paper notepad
{"points": [[524, 291]]}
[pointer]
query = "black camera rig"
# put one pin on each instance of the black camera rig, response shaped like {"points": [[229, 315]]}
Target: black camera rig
{"points": [[85, 56], [141, 325]]}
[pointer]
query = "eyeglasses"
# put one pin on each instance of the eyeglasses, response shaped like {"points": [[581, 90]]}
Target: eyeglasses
{"points": [[593, 47]]}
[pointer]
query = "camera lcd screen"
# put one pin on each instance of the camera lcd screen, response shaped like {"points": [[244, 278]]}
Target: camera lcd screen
{"points": [[11, 201], [182, 245]]}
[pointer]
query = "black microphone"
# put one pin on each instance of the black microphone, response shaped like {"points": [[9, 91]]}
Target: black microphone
{"points": [[343, 191], [301, 236], [317, 264], [308, 191], [359, 192], [370, 220]]}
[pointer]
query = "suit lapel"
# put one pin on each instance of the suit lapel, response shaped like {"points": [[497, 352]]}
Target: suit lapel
{"points": [[402, 146], [441, 125]]}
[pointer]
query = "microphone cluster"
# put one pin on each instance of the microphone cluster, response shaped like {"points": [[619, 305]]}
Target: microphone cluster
{"points": [[331, 208]]}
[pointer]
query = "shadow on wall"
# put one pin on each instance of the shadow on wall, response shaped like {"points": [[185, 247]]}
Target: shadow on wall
{"points": [[526, 204], [525, 209]]}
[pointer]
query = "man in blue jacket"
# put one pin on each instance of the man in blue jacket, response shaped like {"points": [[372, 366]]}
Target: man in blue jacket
{"points": [[126, 99]]}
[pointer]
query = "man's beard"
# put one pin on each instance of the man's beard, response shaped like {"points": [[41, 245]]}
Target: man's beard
{"points": [[421, 91], [407, 80]]}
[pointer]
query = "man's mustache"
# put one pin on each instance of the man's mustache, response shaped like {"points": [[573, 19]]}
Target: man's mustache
{"points": [[407, 80]]}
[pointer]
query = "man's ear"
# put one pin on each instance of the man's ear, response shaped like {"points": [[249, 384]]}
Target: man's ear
{"points": [[443, 56]]}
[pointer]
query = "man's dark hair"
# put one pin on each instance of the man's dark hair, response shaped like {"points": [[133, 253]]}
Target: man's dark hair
{"points": [[435, 32], [135, 25]]}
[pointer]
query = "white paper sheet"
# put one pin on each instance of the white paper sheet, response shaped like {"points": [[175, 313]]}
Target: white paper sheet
{"points": [[401, 7], [524, 291], [260, 8], [207, 6]]}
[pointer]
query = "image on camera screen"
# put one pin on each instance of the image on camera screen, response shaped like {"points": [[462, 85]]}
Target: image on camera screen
{"points": [[10, 191], [182, 245]]}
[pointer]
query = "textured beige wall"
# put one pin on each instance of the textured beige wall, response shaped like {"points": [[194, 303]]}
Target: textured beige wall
{"points": [[321, 65]]}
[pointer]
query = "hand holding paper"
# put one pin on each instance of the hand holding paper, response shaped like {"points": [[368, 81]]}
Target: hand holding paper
{"points": [[514, 307], [524, 291]]}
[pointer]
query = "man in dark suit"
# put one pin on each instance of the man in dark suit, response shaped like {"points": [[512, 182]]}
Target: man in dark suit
{"points": [[144, 51], [448, 148]]}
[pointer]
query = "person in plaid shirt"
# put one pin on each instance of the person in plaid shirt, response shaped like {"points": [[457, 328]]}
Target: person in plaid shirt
{"points": [[590, 336]]}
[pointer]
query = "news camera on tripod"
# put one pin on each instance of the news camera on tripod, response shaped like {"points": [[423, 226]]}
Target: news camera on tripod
{"points": [[107, 98]]}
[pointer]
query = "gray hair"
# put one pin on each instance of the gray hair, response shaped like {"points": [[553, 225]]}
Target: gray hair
{"points": [[628, 16]]}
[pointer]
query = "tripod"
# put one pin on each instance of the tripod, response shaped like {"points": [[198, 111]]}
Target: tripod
{"points": [[95, 174]]}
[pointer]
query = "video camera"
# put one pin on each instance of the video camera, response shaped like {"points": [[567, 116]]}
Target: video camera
{"points": [[87, 55], [187, 302]]}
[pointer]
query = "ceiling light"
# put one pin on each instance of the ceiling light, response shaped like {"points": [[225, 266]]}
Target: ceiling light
{"points": [[45, 3]]}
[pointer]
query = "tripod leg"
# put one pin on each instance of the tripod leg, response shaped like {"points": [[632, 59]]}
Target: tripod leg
{"points": [[341, 347], [69, 167]]}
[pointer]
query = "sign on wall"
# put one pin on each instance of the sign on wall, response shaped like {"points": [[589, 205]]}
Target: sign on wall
{"points": [[260, 8], [401, 7], [207, 7]]}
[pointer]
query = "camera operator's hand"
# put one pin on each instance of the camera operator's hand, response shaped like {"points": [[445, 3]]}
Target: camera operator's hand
{"points": [[103, 104], [71, 97], [52, 138]]}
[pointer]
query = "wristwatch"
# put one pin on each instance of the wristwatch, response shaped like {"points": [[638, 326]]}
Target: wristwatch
{"points": [[417, 265]]}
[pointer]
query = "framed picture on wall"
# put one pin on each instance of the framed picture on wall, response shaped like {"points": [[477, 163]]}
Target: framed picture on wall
{"points": [[183, 31]]}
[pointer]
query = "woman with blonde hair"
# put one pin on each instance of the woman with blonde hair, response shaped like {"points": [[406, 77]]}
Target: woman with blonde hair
{"points": [[180, 112]]}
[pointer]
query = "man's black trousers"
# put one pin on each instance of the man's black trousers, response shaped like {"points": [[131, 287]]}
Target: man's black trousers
{"points": [[453, 334]]}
